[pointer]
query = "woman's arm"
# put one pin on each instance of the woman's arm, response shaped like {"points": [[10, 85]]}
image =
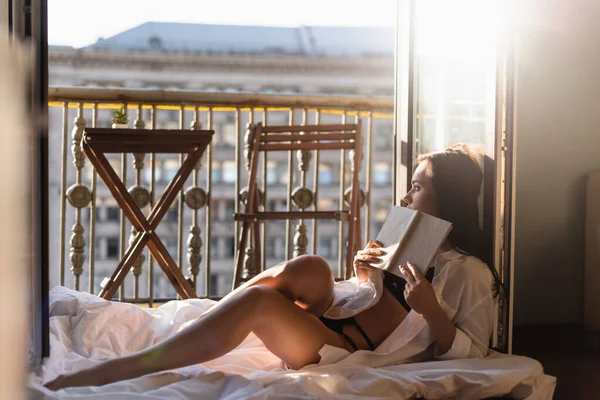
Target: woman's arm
{"points": [[443, 330], [464, 333], [421, 298]]}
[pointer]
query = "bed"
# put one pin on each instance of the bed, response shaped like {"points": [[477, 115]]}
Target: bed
{"points": [[85, 329]]}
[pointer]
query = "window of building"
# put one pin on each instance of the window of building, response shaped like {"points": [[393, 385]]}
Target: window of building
{"points": [[270, 247], [112, 248], [382, 209], [383, 136], [229, 172], [113, 213], [229, 247], [214, 248], [327, 204], [155, 43], [170, 169], [232, 89], [98, 250], [276, 205], [172, 215], [271, 173], [171, 245], [290, 90], [168, 124], [214, 209], [325, 174], [230, 117], [325, 246], [269, 90], [216, 172], [381, 174], [229, 209], [228, 133], [173, 115], [214, 284], [147, 172]]}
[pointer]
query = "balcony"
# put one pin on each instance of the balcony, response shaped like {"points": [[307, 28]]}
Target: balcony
{"points": [[90, 233]]}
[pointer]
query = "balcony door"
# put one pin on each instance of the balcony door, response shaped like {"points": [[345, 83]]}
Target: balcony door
{"points": [[454, 84]]}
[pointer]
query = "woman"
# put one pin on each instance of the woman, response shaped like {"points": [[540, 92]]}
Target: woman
{"points": [[282, 305]]}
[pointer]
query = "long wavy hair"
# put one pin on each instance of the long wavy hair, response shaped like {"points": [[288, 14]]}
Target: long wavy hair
{"points": [[456, 179]]}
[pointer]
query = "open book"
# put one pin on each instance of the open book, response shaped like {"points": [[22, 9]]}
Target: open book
{"points": [[410, 235]]}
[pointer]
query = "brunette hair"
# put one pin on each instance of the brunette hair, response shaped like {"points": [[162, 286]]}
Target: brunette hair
{"points": [[456, 179]]}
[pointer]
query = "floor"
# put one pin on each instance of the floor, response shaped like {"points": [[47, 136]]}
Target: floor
{"points": [[567, 353]]}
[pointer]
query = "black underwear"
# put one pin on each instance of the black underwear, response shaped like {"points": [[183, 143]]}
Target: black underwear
{"points": [[337, 325], [395, 285]]}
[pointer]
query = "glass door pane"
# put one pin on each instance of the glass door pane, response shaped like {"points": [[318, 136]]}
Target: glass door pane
{"points": [[459, 95], [455, 79]]}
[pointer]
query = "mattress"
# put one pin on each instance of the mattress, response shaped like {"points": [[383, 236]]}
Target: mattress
{"points": [[86, 329]]}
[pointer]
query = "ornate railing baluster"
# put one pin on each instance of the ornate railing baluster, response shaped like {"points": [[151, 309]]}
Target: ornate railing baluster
{"points": [[195, 198], [302, 196], [79, 196], [250, 269], [141, 196]]}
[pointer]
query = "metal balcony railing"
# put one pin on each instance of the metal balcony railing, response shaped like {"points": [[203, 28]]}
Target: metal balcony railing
{"points": [[90, 233]]}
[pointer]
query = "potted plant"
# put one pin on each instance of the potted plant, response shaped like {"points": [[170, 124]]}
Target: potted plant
{"points": [[120, 119]]}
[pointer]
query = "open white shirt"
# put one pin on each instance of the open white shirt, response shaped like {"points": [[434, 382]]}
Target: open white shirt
{"points": [[463, 286]]}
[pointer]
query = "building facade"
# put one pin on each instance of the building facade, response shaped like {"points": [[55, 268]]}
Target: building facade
{"points": [[229, 59]]}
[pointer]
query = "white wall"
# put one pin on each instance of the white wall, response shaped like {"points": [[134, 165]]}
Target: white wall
{"points": [[558, 143]]}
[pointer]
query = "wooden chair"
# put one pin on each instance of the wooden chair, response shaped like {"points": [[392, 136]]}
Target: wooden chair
{"points": [[291, 138], [96, 142]]}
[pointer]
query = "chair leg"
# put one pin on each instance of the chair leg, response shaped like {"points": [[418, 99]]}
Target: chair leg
{"points": [[349, 248], [257, 250], [239, 260]]}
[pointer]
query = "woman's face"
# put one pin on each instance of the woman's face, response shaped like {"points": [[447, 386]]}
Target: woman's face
{"points": [[421, 195]]}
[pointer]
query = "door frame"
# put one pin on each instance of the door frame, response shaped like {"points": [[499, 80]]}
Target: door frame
{"points": [[27, 21], [499, 160]]}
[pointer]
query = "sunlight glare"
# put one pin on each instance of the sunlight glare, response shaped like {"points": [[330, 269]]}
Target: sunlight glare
{"points": [[461, 29]]}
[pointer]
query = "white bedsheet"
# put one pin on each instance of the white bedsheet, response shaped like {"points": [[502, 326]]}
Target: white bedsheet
{"points": [[86, 329]]}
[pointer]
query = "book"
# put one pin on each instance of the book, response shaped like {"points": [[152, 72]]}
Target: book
{"points": [[410, 235]]}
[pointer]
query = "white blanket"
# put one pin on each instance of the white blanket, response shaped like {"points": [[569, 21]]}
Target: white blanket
{"points": [[85, 329]]}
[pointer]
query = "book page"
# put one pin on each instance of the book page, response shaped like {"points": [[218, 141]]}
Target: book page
{"points": [[410, 235], [423, 242], [393, 233]]}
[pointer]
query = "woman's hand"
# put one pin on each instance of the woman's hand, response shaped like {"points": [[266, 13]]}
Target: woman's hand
{"points": [[421, 298], [364, 258], [418, 292]]}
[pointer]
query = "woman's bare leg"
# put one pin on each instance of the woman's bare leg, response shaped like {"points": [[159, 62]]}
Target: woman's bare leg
{"points": [[306, 280], [289, 332]]}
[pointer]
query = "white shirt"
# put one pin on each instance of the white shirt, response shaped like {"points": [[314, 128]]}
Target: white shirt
{"points": [[463, 287]]}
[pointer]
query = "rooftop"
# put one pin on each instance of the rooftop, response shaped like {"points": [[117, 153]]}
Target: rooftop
{"points": [[234, 39]]}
